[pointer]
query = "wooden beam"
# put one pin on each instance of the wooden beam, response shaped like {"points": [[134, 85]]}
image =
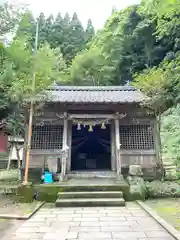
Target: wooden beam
{"points": [[91, 116]]}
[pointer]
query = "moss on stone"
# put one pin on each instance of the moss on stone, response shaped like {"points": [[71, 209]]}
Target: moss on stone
{"points": [[137, 192], [25, 193], [49, 192], [137, 188]]}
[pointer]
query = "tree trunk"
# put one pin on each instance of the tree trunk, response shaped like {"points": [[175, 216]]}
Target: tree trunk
{"points": [[19, 160], [9, 160]]}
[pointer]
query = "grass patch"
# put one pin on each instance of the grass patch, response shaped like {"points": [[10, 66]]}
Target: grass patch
{"points": [[3, 220], [9, 176], [168, 209], [9, 206]]}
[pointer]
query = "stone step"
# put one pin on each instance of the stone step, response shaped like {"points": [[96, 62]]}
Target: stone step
{"points": [[170, 167], [93, 174], [102, 194], [3, 164], [90, 202]]}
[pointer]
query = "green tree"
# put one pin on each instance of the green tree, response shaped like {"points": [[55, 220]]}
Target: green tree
{"points": [[131, 40], [76, 39], [161, 84], [9, 17], [64, 33], [50, 30], [170, 134], [89, 33], [167, 14], [27, 28], [42, 28], [19, 66], [67, 18], [57, 32], [90, 68]]}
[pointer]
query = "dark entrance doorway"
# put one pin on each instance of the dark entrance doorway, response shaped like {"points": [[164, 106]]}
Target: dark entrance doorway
{"points": [[91, 150]]}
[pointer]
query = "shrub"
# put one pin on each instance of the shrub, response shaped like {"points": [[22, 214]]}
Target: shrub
{"points": [[170, 134], [159, 189]]}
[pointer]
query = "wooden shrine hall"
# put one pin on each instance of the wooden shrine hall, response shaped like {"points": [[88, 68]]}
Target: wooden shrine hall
{"points": [[94, 128]]}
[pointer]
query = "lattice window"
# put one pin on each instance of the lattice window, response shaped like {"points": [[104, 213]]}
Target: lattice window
{"points": [[47, 137], [136, 137]]}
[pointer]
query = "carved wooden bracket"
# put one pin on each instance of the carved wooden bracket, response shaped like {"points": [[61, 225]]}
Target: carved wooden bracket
{"points": [[120, 115]]}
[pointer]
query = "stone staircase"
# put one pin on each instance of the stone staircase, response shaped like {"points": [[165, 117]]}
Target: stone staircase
{"points": [[98, 188], [3, 162], [92, 175], [90, 199], [171, 171]]}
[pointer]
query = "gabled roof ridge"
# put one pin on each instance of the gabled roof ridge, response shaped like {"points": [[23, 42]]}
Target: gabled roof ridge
{"points": [[92, 88], [94, 94]]}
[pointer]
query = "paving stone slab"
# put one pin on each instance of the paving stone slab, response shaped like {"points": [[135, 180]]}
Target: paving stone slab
{"points": [[156, 234], [111, 223], [93, 235], [85, 229], [157, 238], [128, 234]]}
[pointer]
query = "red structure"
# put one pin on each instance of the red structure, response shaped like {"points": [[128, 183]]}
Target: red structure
{"points": [[3, 138]]}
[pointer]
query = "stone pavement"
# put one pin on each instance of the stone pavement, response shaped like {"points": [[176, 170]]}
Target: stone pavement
{"points": [[105, 223], [7, 227]]}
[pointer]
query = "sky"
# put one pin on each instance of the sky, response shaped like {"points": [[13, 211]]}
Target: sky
{"points": [[97, 10]]}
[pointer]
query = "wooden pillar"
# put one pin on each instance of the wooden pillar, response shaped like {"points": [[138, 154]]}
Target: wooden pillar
{"points": [[113, 148], [65, 130], [69, 144], [25, 146], [24, 151], [25, 139], [65, 149], [117, 140]]}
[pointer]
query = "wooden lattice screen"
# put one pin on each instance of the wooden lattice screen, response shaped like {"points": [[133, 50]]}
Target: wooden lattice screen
{"points": [[47, 137], [136, 137]]}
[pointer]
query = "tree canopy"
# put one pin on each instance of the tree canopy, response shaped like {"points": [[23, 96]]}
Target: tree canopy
{"points": [[9, 17], [139, 44], [19, 63], [65, 33]]}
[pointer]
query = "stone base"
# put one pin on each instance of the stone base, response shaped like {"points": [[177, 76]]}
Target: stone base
{"points": [[119, 178], [63, 178], [149, 173], [92, 202], [137, 188], [48, 192]]}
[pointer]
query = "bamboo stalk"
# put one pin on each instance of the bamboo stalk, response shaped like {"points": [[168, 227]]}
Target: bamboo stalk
{"points": [[31, 114]]}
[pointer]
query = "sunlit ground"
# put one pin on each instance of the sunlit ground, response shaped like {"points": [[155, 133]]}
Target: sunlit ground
{"points": [[9, 175], [168, 209]]}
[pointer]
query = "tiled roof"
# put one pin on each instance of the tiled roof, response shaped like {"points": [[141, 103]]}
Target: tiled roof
{"points": [[94, 94]]}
